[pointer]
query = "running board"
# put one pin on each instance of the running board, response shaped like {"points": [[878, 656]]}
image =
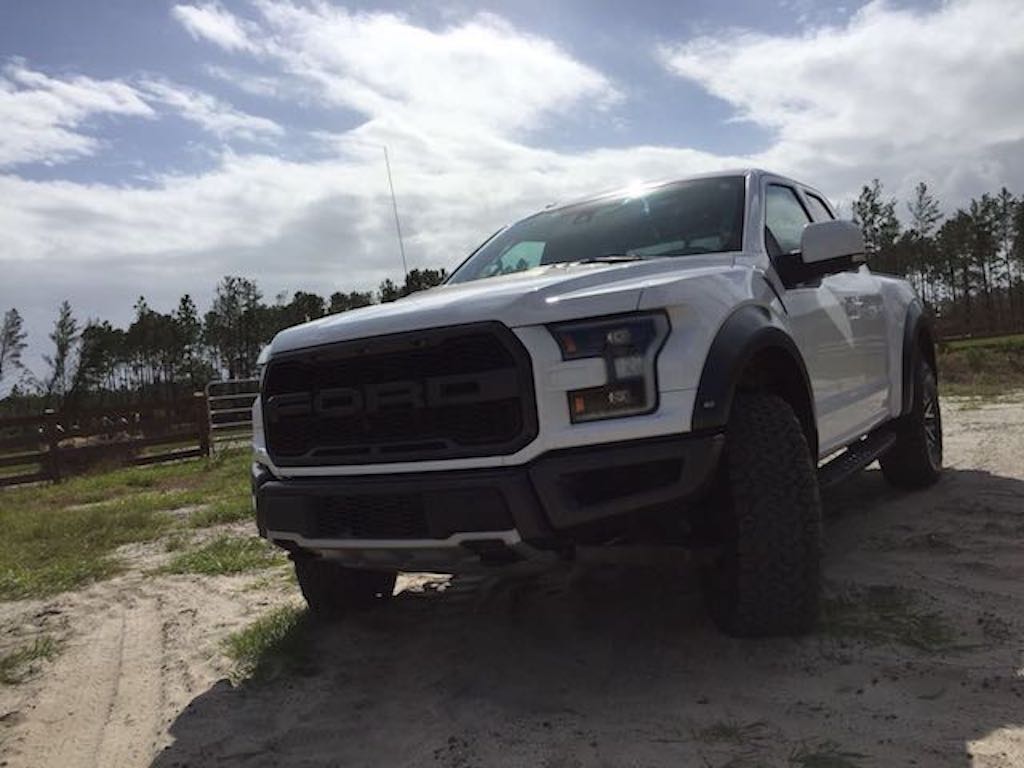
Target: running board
{"points": [[856, 457]]}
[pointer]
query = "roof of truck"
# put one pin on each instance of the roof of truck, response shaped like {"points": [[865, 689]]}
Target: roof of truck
{"points": [[633, 188]]}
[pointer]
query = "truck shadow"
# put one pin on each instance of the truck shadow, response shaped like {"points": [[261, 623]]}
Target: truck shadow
{"points": [[613, 666]]}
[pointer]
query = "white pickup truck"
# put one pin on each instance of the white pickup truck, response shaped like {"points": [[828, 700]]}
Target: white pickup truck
{"points": [[675, 367]]}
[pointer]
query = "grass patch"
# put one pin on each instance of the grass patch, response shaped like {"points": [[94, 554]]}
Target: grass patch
{"points": [[1011, 341], [28, 468], [18, 664], [48, 551], [979, 389], [982, 367], [152, 501], [827, 754], [729, 732], [60, 537], [275, 643], [176, 542], [284, 580], [886, 614], [226, 555], [226, 510]]}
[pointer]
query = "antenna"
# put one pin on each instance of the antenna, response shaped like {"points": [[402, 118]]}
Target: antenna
{"points": [[394, 206]]}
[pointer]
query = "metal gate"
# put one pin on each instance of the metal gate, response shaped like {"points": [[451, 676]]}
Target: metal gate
{"points": [[229, 404]]}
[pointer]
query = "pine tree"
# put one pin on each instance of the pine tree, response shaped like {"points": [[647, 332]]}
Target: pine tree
{"points": [[12, 342], [1009, 276], [878, 222], [63, 361], [923, 268]]}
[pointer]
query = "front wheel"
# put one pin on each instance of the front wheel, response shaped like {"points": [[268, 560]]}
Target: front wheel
{"points": [[767, 521], [915, 460], [332, 590]]}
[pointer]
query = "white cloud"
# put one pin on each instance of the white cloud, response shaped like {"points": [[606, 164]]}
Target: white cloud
{"points": [[451, 105], [892, 92], [51, 120], [41, 115], [211, 22], [899, 94], [448, 104], [253, 84], [481, 73], [209, 112]]}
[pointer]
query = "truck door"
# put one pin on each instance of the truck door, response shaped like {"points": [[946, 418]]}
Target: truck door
{"points": [[839, 325]]}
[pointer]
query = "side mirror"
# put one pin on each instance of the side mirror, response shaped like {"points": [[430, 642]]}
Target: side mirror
{"points": [[831, 246]]}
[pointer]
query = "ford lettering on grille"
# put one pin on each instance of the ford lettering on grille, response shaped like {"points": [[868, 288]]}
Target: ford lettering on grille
{"points": [[343, 402], [434, 394]]}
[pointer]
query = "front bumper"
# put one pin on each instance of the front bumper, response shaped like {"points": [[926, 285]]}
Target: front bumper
{"points": [[419, 519]]}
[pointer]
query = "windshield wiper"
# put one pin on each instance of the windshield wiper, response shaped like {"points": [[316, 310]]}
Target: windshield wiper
{"points": [[610, 258]]}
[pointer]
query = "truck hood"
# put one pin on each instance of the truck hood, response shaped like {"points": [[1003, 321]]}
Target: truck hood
{"points": [[543, 295]]}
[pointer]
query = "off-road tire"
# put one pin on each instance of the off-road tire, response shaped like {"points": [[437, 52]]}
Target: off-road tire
{"points": [[332, 590], [915, 460], [767, 579]]}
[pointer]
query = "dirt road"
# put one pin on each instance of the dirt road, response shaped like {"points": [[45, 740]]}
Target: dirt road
{"points": [[920, 661]]}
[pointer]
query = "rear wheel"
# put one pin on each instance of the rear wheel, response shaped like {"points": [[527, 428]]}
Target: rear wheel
{"points": [[332, 590], [767, 579], [915, 460]]}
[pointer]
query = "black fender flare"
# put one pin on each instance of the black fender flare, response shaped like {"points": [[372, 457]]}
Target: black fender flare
{"points": [[748, 331], [918, 324]]}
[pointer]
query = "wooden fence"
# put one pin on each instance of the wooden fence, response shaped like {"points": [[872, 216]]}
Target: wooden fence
{"points": [[52, 446]]}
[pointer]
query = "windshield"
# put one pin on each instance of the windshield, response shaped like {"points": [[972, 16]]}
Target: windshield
{"points": [[679, 219]]}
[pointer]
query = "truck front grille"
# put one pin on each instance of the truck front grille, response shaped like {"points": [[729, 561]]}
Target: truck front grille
{"points": [[436, 394]]}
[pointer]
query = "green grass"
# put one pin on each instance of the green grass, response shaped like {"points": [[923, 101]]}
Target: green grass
{"points": [[176, 542], [729, 732], [231, 509], [27, 468], [18, 664], [277, 642], [983, 368], [48, 551], [881, 615], [826, 754], [1011, 341], [981, 390], [62, 536], [284, 580], [226, 555]]}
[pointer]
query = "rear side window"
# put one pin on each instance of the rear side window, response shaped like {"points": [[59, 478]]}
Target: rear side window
{"points": [[784, 220], [819, 210]]}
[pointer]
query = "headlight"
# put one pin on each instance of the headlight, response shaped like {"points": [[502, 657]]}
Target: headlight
{"points": [[629, 346]]}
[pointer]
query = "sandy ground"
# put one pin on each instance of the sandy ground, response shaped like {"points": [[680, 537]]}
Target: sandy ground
{"points": [[574, 667]]}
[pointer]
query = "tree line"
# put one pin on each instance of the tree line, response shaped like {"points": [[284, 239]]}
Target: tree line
{"points": [[967, 267], [164, 356]]}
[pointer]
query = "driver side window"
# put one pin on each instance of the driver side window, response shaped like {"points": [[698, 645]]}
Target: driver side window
{"points": [[784, 220]]}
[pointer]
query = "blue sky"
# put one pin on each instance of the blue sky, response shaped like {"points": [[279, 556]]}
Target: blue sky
{"points": [[148, 148]]}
